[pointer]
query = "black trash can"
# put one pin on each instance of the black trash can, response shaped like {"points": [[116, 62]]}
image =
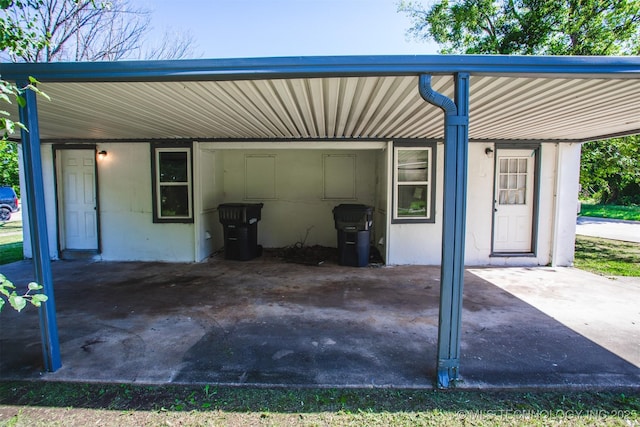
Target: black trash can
{"points": [[240, 224], [353, 223]]}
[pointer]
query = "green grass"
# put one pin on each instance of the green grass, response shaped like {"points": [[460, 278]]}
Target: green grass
{"points": [[607, 257], [10, 242], [631, 213], [50, 403]]}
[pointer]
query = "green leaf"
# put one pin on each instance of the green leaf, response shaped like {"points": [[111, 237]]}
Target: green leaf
{"points": [[9, 126], [1, 304], [17, 302], [37, 91], [21, 126], [4, 281], [40, 297], [33, 286], [21, 101], [5, 286], [33, 80]]}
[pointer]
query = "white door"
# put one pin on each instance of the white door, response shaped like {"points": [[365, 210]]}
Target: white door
{"points": [[79, 222], [513, 201]]}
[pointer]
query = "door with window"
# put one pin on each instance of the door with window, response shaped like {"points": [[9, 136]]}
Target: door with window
{"points": [[513, 201], [77, 197]]}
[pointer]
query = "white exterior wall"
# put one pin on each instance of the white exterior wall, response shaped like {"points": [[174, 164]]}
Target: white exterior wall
{"points": [[566, 192], [557, 204], [383, 192], [128, 231], [126, 215], [299, 204], [419, 244], [208, 194], [546, 204], [422, 243], [124, 189], [480, 178], [480, 208], [49, 200]]}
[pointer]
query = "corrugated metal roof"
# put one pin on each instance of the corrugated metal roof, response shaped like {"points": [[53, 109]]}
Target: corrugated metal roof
{"points": [[501, 108], [552, 109]]}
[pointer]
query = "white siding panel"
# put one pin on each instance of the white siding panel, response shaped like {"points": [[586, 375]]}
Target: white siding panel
{"points": [[129, 233]]}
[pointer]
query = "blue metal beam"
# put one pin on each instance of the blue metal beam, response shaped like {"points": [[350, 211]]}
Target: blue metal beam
{"points": [[325, 66], [456, 139], [38, 227]]}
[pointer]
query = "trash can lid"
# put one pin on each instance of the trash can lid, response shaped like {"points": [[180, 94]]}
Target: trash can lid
{"points": [[353, 207], [240, 205]]}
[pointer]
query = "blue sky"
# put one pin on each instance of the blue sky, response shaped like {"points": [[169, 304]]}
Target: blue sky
{"points": [[251, 28]]}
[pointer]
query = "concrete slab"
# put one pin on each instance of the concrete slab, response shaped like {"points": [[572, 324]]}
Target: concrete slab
{"points": [[264, 322], [614, 229], [566, 325]]}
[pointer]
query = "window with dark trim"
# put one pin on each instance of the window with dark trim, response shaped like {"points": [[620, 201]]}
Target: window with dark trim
{"points": [[413, 183], [172, 183]]}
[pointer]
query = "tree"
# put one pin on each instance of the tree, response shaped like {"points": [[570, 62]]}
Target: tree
{"points": [[528, 27], [609, 169], [91, 30], [72, 30], [16, 37], [9, 163]]}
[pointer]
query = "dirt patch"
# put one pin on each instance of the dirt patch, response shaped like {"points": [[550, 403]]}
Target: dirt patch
{"points": [[316, 255]]}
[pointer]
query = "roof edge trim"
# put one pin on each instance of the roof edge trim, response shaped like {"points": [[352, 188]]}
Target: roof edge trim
{"points": [[266, 141], [324, 66]]}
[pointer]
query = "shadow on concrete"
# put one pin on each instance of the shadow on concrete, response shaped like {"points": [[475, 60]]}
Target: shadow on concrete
{"points": [[509, 343], [267, 323]]}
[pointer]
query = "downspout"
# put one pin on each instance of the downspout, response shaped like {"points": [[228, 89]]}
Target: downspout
{"points": [[456, 137]]}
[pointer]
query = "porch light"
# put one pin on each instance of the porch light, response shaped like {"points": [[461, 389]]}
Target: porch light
{"points": [[102, 154]]}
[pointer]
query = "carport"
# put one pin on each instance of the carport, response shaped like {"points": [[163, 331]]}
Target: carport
{"points": [[514, 100]]}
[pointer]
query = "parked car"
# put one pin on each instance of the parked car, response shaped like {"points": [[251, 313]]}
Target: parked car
{"points": [[8, 203]]}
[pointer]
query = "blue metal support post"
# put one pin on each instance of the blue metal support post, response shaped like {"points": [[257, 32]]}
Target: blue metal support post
{"points": [[34, 187], [456, 138]]}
